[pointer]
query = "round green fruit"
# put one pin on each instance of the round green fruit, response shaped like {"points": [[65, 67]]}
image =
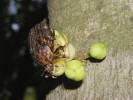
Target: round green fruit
{"points": [[70, 51], [59, 66], [98, 51], [61, 39], [75, 70]]}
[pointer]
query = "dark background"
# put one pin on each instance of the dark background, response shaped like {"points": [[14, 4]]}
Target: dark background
{"points": [[20, 78], [18, 75]]}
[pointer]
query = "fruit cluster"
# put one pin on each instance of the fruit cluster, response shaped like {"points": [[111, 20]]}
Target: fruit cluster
{"points": [[63, 52], [73, 69], [51, 50]]}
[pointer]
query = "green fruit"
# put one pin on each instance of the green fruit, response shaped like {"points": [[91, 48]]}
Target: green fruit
{"points": [[75, 70], [98, 51], [70, 51], [56, 33], [64, 37], [60, 40], [59, 66]]}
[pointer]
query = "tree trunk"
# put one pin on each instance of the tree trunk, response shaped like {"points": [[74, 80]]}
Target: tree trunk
{"points": [[90, 21]]}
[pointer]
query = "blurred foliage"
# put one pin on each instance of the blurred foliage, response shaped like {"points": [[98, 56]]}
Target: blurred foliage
{"points": [[29, 94], [17, 72]]}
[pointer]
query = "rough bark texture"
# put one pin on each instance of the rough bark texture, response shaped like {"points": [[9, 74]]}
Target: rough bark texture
{"points": [[89, 21]]}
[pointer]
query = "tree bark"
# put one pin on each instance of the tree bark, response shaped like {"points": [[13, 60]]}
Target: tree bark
{"points": [[90, 21]]}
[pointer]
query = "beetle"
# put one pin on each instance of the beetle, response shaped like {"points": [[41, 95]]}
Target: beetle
{"points": [[41, 45]]}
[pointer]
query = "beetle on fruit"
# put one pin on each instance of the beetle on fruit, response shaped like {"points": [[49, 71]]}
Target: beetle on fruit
{"points": [[52, 52], [46, 46]]}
